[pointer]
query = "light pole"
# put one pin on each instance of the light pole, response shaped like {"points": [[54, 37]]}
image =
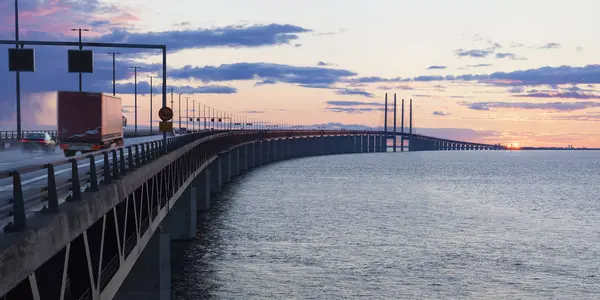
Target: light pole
{"points": [[151, 92], [18, 74], [180, 111], [113, 70], [187, 113], [80, 48], [135, 68], [194, 115]]}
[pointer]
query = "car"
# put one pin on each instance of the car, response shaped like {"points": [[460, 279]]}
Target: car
{"points": [[38, 141]]}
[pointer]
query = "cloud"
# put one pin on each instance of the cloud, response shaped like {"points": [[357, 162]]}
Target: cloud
{"points": [[321, 77], [355, 92], [436, 67], [352, 110], [353, 103], [516, 89], [253, 112], [555, 106], [479, 65], [516, 45], [266, 81], [510, 56], [56, 17], [341, 30], [323, 64], [228, 36], [479, 53], [374, 79], [550, 46], [567, 95], [440, 113]]}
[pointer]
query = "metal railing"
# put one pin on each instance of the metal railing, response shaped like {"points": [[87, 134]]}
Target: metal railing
{"points": [[82, 173], [7, 135], [12, 135]]}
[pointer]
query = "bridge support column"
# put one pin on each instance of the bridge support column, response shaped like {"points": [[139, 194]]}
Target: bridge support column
{"points": [[182, 220], [225, 166], [357, 144], [203, 189], [216, 178], [371, 143], [281, 147], [235, 162], [251, 155], [272, 151], [259, 152], [243, 158], [365, 144], [150, 277]]}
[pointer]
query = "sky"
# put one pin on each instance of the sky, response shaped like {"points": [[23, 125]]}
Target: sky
{"points": [[510, 72]]}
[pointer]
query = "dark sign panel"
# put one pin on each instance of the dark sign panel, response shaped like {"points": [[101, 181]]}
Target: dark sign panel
{"points": [[21, 60], [81, 61]]}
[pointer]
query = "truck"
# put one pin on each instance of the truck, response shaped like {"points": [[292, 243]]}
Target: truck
{"points": [[88, 122]]}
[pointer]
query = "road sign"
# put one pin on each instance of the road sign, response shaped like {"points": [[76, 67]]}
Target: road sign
{"points": [[165, 114], [165, 126]]}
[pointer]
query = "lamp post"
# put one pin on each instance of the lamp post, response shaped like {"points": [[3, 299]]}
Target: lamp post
{"points": [[187, 113], [18, 74], [151, 92], [135, 97], [194, 115], [113, 69], [179, 111], [80, 48]]}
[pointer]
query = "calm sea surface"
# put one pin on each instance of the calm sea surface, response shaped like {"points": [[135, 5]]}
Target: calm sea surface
{"points": [[421, 225]]}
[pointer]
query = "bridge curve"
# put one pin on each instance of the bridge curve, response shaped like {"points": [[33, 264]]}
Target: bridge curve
{"points": [[88, 245], [138, 201]]}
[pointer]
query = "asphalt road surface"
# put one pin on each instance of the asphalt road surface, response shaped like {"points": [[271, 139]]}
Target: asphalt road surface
{"points": [[34, 182]]}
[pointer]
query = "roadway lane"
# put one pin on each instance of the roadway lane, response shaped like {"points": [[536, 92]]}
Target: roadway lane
{"points": [[33, 183], [14, 159]]}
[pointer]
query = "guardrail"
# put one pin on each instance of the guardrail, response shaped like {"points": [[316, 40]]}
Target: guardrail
{"points": [[12, 135], [83, 173]]}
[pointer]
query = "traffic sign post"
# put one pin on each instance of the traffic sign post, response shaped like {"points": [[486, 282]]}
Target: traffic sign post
{"points": [[165, 114], [165, 126]]}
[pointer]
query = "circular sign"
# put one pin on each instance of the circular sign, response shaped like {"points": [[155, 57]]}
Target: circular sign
{"points": [[165, 114]]}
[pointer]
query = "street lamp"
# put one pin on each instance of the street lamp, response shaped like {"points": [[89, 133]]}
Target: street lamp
{"points": [[18, 74], [113, 61], [187, 113], [151, 92], [193, 115], [135, 68], [80, 48]]}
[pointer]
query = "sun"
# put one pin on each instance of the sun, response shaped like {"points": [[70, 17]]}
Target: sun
{"points": [[513, 146]]}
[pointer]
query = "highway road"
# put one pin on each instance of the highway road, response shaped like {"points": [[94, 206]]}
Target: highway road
{"points": [[34, 182], [14, 159]]}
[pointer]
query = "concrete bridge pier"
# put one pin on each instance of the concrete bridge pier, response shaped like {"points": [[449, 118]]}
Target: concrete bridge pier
{"points": [[371, 143], [225, 158], [259, 148], [150, 277], [235, 161], [251, 156], [244, 157], [216, 180], [365, 144]]}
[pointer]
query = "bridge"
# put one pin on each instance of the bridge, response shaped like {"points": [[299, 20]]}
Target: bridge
{"points": [[104, 221]]}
